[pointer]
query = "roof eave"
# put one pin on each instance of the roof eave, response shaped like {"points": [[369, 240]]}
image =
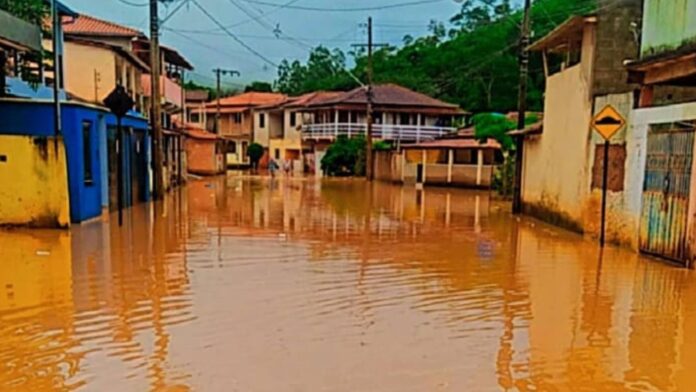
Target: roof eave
{"points": [[557, 35]]}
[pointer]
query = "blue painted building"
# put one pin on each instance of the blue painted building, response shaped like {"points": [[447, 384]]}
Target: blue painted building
{"points": [[89, 136]]}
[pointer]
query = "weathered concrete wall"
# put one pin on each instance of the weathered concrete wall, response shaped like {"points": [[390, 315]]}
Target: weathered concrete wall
{"points": [[668, 25], [555, 166], [616, 41], [623, 207], [34, 178]]}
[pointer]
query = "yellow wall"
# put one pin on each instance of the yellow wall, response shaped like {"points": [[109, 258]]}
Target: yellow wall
{"points": [[34, 182], [556, 178], [81, 62]]}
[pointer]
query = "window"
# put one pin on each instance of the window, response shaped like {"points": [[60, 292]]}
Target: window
{"points": [[277, 153], [262, 120], [195, 118], [377, 117], [232, 147], [405, 119], [293, 119], [237, 118], [87, 152]]}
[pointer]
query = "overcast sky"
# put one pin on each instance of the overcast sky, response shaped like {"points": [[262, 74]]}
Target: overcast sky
{"points": [[207, 46]]}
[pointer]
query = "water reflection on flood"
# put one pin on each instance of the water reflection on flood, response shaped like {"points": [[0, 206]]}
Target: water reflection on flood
{"points": [[240, 284]]}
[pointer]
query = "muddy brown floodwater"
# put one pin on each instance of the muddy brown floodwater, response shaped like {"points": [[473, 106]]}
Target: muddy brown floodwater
{"points": [[241, 284]]}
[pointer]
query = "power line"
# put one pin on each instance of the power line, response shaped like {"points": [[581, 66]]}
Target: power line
{"points": [[275, 30], [258, 36], [216, 50], [354, 9], [134, 4], [239, 41]]}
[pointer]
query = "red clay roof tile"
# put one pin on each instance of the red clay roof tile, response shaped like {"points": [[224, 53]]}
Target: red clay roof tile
{"points": [[89, 25]]}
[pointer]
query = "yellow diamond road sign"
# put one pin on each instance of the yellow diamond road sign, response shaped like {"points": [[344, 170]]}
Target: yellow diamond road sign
{"points": [[608, 122]]}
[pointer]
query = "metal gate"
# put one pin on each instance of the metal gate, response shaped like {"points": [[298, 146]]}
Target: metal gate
{"points": [[666, 192]]}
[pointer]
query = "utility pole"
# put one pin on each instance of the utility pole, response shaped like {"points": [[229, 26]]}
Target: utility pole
{"points": [[156, 102], [522, 107], [218, 73], [370, 100]]}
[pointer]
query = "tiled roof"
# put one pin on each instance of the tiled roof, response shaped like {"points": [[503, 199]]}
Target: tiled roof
{"points": [[456, 143], [250, 99], [387, 95], [89, 25], [315, 98], [302, 100]]}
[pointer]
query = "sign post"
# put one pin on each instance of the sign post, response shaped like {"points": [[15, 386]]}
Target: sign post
{"points": [[607, 123], [119, 102]]}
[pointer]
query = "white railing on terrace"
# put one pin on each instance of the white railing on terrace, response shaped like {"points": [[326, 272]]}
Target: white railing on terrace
{"points": [[406, 133]]}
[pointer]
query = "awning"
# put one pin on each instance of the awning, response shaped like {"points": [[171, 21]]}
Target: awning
{"points": [[568, 32]]}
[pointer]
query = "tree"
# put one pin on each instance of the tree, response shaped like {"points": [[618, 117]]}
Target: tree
{"points": [[257, 86], [33, 11], [324, 70], [255, 153]]}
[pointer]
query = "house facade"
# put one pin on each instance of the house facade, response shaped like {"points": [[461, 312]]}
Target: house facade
{"points": [[237, 121], [563, 165], [133, 49], [93, 69], [401, 116], [649, 203], [664, 124], [278, 128], [57, 176]]}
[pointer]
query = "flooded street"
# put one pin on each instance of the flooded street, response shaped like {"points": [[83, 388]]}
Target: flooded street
{"points": [[243, 284]]}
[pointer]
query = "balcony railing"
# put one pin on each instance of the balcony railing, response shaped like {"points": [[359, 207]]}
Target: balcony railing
{"points": [[169, 89], [404, 133]]}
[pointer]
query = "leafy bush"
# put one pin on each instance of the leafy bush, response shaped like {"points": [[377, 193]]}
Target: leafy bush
{"points": [[255, 153], [346, 157]]}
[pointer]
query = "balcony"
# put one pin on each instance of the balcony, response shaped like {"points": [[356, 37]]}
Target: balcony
{"points": [[169, 90], [404, 133]]}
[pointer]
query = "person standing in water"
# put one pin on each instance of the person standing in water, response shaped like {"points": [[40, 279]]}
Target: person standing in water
{"points": [[273, 167]]}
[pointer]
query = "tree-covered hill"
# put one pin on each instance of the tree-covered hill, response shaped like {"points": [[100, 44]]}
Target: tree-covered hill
{"points": [[472, 60]]}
